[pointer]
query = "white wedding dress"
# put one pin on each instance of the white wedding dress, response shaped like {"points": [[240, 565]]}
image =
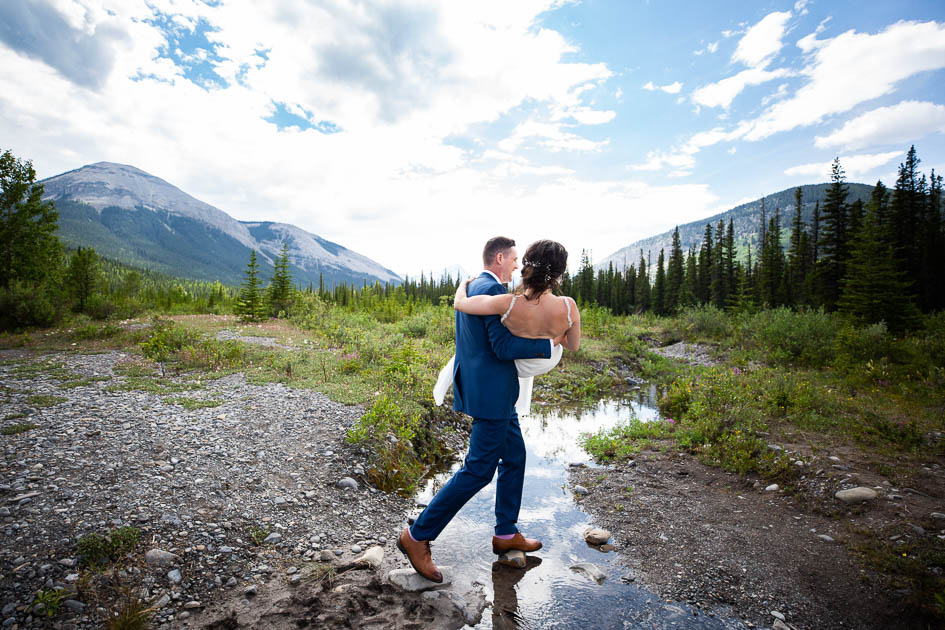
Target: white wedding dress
{"points": [[527, 369]]}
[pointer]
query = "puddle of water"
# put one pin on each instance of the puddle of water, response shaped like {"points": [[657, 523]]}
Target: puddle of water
{"points": [[548, 594]]}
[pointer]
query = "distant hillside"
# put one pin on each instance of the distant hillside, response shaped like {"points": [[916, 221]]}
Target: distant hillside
{"points": [[134, 217], [746, 223]]}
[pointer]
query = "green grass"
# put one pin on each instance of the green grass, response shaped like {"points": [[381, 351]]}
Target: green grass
{"points": [[45, 400], [96, 550], [624, 441], [15, 429], [193, 403], [83, 382], [153, 385]]}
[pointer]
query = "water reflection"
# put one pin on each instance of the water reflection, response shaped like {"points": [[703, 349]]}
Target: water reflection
{"points": [[547, 594]]}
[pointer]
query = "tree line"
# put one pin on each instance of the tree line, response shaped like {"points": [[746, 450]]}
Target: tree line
{"points": [[879, 261]]}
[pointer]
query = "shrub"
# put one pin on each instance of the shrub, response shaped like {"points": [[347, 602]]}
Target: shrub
{"points": [[388, 431], [701, 322], [27, 304], [97, 549], [785, 337]]}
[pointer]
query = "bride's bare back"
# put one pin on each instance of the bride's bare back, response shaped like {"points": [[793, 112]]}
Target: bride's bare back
{"points": [[536, 318]]}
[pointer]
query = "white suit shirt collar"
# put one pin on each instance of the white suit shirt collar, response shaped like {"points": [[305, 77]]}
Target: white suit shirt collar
{"points": [[493, 275]]}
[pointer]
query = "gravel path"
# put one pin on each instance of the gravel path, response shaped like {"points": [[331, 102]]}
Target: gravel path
{"points": [[197, 483]]}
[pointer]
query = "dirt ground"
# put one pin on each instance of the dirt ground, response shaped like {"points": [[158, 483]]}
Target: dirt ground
{"points": [[710, 538]]}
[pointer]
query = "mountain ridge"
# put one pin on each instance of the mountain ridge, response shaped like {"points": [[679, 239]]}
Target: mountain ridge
{"points": [[132, 216], [745, 224]]}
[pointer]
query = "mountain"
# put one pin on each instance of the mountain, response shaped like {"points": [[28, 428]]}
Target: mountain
{"points": [[134, 217], [746, 224]]}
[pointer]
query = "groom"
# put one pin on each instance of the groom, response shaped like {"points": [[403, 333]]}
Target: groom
{"points": [[485, 386]]}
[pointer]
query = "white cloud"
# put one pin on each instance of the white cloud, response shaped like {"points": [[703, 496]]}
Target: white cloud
{"points": [[671, 88], [897, 124], [398, 79], [710, 48], [762, 42], [854, 165], [853, 68], [722, 93], [800, 7]]}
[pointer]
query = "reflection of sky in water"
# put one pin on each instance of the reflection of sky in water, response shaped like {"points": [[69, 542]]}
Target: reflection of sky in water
{"points": [[549, 594]]}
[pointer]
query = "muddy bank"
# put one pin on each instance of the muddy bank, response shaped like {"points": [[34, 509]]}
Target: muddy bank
{"points": [[700, 535]]}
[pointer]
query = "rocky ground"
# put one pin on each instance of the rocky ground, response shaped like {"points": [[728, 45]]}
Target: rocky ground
{"points": [[240, 503], [710, 538]]}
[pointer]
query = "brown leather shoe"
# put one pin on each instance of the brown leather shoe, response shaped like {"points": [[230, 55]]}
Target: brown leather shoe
{"points": [[419, 555], [519, 542]]}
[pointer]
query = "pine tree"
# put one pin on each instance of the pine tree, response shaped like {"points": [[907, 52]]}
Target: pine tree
{"points": [[659, 287], [249, 304], [84, 276], [935, 245], [717, 292], [280, 290], [674, 276], [691, 284], [833, 236]]}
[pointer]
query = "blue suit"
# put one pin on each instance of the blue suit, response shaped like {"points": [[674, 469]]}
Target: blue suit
{"points": [[485, 386]]}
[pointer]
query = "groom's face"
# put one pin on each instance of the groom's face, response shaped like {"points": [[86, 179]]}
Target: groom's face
{"points": [[507, 263]]}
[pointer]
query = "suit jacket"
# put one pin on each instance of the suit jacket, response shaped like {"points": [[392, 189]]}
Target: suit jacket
{"points": [[485, 382]]}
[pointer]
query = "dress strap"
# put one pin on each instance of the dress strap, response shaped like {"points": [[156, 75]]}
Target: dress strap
{"points": [[509, 310], [567, 303]]}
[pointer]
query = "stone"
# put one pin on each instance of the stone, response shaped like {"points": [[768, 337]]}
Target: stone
{"points": [[825, 538], [856, 495], [347, 482], [291, 571], [772, 488], [192, 604], [226, 549], [356, 549], [251, 591], [917, 529], [411, 581], [606, 548], [231, 582], [295, 580], [326, 555], [581, 491], [513, 558], [780, 625], [161, 558], [273, 539], [162, 601], [938, 516], [590, 570], [372, 558], [73, 605], [175, 576], [596, 536], [777, 615]]}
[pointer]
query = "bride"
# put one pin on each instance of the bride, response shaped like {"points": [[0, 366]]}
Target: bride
{"points": [[533, 312]]}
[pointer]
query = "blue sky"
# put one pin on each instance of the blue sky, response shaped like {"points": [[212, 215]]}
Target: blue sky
{"points": [[411, 131]]}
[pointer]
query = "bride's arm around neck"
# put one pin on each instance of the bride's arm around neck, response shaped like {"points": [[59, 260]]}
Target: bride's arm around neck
{"points": [[480, 304]]}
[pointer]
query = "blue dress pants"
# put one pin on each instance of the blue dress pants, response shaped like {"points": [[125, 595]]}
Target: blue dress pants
{"points": [[492, 444]]}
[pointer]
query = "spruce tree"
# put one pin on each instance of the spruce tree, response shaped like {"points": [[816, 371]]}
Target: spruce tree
{"points": [[642, 288], [728, 264], [717, 291], [797, 253], [84, 277], [659, 287], [30, 251], [833, 236], [280, 290], [249, 304], [874, 290], [691, 283], [704, 268], [675, 275]]}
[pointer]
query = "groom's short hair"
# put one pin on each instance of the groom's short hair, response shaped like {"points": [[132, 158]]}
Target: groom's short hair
{"points": [[495, 245]]}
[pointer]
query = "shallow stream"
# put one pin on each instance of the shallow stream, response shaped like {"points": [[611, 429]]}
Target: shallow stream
{"points": [[548, 594]]}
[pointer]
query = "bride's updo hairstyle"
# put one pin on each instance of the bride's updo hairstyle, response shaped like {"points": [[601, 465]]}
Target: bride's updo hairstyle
{"points": [[542, 266]]}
